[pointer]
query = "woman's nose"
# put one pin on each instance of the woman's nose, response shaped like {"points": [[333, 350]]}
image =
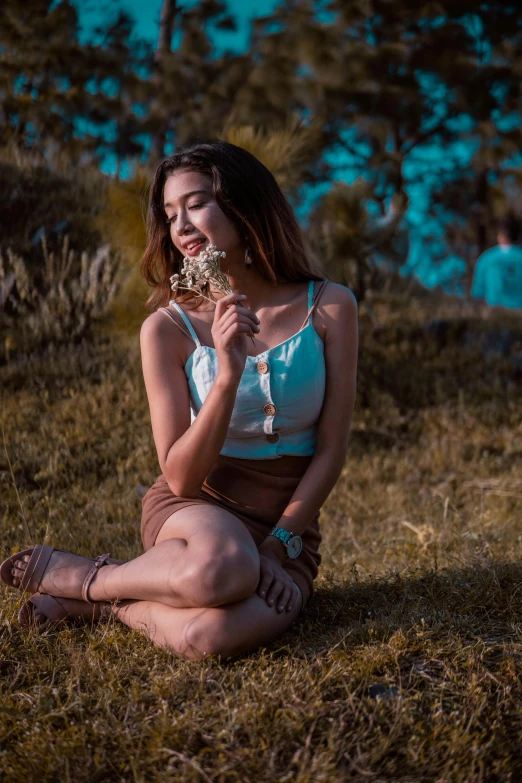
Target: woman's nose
{"points": [[182, 224]]}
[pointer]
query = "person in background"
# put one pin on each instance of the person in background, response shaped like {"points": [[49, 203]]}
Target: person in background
{"points": [[498, 271]]}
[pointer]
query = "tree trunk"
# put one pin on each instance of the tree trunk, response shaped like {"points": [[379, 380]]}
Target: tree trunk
{"points": [[483, 211], [168, 15]]}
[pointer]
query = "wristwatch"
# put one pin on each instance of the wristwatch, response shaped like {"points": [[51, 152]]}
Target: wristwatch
{"points": [[294, 544]]}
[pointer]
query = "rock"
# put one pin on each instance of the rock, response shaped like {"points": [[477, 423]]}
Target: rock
{"points": [[379, 690]]}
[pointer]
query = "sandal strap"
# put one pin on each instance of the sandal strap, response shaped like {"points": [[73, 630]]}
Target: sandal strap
{"points": [[36, 568], [98, 563]]}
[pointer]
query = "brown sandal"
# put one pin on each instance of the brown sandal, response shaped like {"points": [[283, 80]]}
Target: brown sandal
{"points": [[36, 567], [58, 612]]}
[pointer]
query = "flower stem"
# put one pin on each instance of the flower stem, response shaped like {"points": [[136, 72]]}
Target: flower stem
{"points": [[195, 291]]}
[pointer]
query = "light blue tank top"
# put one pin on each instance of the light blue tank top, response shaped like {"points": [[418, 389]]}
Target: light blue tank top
{"points": [[279, 397]]}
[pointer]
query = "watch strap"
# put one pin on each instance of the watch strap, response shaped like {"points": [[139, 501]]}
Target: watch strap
{"points": [[282, 534]]}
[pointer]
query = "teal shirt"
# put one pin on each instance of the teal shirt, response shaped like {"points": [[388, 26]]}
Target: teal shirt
{"points": [[280, 395], [498, 276]]}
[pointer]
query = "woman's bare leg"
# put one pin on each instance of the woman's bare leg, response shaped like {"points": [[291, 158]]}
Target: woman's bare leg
{"points": [[207, 558], [197, 632]]}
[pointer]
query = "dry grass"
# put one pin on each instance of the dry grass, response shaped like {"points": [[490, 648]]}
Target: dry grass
{"points": [[406, 664], [55, 304]]}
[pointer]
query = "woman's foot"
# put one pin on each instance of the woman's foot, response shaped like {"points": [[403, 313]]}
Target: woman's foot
{"points": [[47, 570], [42, 613]]}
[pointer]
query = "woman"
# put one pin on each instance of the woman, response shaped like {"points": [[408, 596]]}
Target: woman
{"points": [[230, 527]]}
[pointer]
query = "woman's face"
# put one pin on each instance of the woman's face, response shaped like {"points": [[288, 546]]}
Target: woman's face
{"points": [[194, 215]]}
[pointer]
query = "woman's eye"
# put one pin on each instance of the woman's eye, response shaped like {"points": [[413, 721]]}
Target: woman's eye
{"points": [[172, 218]]}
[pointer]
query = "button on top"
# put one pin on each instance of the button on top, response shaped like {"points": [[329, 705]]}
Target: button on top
{"points": [[269, 409], [262, 367], [273, 437]]}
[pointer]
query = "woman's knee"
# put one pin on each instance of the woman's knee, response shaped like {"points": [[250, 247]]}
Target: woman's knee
{"points": [[213, 633], [230, 631], [224, 573], [206, 635]]}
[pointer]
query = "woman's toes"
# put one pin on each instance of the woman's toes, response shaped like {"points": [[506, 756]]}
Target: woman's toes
{"points": [[40, 620], [18, 571]]}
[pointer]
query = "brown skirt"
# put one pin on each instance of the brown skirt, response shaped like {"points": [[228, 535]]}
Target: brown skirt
{"points": [[256, 492]]}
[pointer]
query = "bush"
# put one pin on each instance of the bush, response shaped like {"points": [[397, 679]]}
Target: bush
{"points": [[70, 295], [34, 199]]}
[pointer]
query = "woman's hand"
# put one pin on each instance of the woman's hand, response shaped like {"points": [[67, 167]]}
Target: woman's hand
{"points": [[276, 586], [232, 324]]}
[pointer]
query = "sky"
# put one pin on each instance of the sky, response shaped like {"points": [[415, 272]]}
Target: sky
{"points": [[147, 15]]}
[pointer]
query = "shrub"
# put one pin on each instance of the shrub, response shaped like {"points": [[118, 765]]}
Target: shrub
{"points": [[71, 293], [37, 197]]}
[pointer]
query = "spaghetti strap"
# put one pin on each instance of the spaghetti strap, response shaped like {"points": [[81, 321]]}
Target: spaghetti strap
{"points": [[313, 302], [186, 321], [310, 295], [186, 327]]}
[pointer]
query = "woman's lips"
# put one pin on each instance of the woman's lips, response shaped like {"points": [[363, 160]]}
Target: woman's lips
{"points": [[195, 250]]}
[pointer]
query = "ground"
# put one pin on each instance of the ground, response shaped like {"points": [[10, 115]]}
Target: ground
{"points": [[406, 664]]}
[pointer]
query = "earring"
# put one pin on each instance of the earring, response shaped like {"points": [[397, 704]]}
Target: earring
{"points": [[248, 257]]}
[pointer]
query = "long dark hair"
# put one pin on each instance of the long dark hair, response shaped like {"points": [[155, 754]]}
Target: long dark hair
{"points": [[249, 195]]}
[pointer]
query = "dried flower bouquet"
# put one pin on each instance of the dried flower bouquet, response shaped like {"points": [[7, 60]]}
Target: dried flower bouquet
{"points": [[202, 270]]}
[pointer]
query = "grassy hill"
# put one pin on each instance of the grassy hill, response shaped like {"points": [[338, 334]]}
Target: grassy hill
{"points": [[405, 666]]}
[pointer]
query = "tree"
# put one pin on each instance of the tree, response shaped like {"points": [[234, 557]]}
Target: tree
{"points": [[347, 238], [470, 200], [169, 10], [391, 84], [192, 86], [59, 94]]}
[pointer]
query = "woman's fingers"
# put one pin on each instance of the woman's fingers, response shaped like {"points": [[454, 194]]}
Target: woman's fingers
{"points": [[277, 588], [235, 329], [275, 593], [228, 324], [240, 314], [284, 598], [225, 302], [266, 580], [236, 319], [294, 598]]}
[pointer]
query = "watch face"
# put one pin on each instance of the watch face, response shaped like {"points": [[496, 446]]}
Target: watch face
{"points": [[294, 547]]}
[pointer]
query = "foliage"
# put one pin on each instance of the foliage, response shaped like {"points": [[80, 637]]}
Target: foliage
{"points": [[54, 197], [193, 87], [58, 92], [284, 148], [63, 306], [386, 91], [471, 201], [347, 239], [399, 90], [122, 223], [405, 664]]}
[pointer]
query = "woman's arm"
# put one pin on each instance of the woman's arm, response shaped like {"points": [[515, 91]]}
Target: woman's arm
{"points": [[338, 317], [187, 452]]}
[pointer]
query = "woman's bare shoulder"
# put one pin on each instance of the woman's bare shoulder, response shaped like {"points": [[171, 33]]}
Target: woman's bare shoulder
{"points": [[167, 334], [155, 326], [338, 296], [336, 311]]}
